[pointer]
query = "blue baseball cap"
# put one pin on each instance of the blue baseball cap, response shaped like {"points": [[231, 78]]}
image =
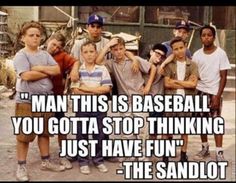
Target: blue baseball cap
{"points": [[95, 19], [182, 24]]}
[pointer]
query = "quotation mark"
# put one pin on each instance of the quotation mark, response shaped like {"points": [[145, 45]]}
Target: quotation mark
{"points": [[24, 95], [179, 142]]}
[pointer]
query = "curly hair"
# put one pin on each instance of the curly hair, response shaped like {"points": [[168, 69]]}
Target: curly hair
{"points": [[31, 24], [208, 27]]}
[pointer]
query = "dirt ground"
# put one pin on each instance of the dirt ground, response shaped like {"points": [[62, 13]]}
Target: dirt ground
{"points": [[8, 151]]}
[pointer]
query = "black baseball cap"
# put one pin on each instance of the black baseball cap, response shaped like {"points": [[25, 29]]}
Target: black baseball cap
{"points": [[182, 24], [161, 47]]}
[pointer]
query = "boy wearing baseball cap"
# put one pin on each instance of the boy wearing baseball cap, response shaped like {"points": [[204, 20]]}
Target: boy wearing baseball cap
{"points": [[94, 27], [95, 19], [181, 29]]}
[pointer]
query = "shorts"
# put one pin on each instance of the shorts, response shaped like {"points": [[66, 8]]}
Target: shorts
{"points": [[213, 112], [24, 110]]}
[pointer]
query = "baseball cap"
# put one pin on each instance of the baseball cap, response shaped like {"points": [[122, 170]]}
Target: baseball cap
{"points": [[95, 19], [182, 24]]}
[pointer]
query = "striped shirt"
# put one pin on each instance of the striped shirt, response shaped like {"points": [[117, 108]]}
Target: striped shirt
{"points": [[99, 76]]}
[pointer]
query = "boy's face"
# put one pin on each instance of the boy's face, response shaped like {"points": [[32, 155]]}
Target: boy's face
{"points": [[95, 30], [183, 33], [54, 46], [207, 37], [89, 53], [118, 51], [157, 56], [32, 37], [179, 49]]}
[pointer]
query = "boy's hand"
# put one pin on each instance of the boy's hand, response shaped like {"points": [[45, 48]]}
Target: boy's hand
{"points": [[144, 90], [75, 91], [81, 83], [83, 87], [135, 66], [78, 91], [112, 42], [169, 59], [215, 102], [135, 62], [74, 76]]}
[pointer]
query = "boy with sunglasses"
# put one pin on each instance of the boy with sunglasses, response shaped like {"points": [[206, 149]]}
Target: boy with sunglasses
{"points": [[156, 57]]}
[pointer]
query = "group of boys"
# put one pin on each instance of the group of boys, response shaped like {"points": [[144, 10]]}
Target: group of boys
{"points": [[90, 72]]}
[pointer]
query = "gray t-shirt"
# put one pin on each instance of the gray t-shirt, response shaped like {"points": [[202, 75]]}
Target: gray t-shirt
{"points": [[75, 51], [157, 87], [128, 82], [23, 61]]}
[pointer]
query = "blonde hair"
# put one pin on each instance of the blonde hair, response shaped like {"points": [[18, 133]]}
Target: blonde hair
{"points": [[88, 43]]}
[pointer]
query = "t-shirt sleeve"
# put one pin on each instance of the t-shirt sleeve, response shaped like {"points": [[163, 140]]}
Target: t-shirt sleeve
{"points": [[108, 64], [21, 64], [194, 58], [224, 61], [188, 54], [106, 78], [194, 69], [169, 49], [51, 60], [75, 51], [144, 65], [69, 62]]}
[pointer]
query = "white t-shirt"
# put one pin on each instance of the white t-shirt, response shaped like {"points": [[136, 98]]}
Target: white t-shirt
{"points": [[75, 51], [181, 69], [209, 67]]}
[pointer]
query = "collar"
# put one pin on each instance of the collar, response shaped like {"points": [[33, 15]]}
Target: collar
{"points": [[93, 40], [83, 66], [187, 61], [126, 60]]}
